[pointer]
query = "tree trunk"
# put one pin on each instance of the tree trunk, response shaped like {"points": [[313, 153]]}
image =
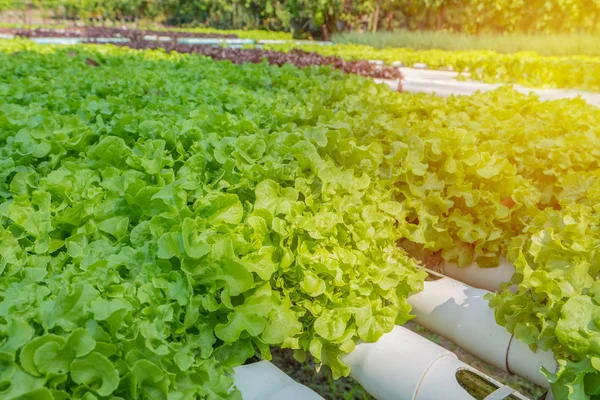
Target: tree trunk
{"points": [[235, 15], [328, 26], [325, 32], [390, 20], [376, 17]]}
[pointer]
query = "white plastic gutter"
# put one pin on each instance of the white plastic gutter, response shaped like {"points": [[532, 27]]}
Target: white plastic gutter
{"points": [[482, 278], [53, 40], [215, 41], [461, 314], [403, 365], [272, 41], [156, 38], [313, 42], [264, 381], [443, 83], [107, 40], [73, 41], [391, 83]]}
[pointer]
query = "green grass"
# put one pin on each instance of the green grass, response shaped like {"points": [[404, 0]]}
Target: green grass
{"points": [[548, 45]]}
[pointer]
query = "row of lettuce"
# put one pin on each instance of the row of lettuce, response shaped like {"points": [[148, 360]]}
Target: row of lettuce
{"points": [[525, 68], [164, 218], [167, 217]]}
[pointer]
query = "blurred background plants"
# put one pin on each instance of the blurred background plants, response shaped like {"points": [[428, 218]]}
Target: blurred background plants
{"points": [[321, 18]]}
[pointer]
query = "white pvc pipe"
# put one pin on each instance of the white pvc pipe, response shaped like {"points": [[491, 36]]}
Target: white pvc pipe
{"points": [[156, 38], [391, 83], [482, 278], [394, 367], [214, 41], [51, 40], [272, 41], [443, 83], [403, 365], [108, 40], [440, 380], [264, 381], [527, 364], [461, 314], [313, 42]]}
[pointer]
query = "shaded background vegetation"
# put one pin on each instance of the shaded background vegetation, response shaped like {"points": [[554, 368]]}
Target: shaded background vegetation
{"points": [[321, 18]]}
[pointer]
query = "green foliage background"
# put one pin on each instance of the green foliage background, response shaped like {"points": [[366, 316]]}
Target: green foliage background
{"points": [[326, 16]]}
